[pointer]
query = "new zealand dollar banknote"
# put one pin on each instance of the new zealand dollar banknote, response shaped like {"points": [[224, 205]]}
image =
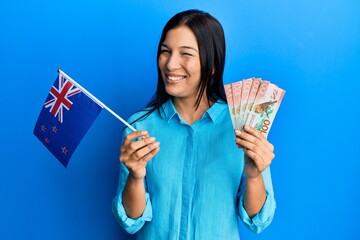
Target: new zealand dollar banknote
{"points": [[253, 102]]}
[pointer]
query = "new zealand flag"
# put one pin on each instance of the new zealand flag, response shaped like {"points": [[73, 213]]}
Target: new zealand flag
{"points": [[66, 116]]}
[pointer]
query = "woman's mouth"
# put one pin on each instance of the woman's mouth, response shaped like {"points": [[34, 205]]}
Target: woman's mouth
{"points": [[175, 78]]}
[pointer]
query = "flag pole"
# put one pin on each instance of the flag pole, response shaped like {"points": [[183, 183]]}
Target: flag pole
{"points": [[96, 100]]}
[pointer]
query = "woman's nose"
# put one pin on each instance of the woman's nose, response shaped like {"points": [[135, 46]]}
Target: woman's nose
{"points": [[173, 62]]}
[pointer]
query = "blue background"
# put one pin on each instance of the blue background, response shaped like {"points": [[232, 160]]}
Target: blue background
{"points": [[310, 48]]}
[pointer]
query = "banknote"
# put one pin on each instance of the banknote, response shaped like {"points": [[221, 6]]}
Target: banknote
{"points": [[263, 89], [250, 102], [230, 101], [236, 89], [265, 121], [253, 102], [263, 113], [245, 91]]}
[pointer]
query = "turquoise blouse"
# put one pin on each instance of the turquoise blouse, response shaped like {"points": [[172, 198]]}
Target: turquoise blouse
{"points": [[195, 184]]}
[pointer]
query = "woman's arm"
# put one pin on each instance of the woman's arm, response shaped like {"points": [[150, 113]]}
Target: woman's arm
{"points": [[133, 197], [135, 155], [255, 195], [259, 154]]}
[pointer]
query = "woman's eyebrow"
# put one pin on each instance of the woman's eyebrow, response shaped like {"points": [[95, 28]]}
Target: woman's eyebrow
{"points": [[186, 47]]}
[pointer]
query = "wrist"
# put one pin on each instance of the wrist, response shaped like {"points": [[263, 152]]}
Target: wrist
{"points": [[135, 180], [256, 179]]}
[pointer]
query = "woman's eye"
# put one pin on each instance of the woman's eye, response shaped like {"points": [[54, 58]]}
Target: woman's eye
{"points": [[164, 51], [186, 54]]}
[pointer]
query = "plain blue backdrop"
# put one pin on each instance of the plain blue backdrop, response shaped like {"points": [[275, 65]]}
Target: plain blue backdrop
{"points": [[309, 48]]}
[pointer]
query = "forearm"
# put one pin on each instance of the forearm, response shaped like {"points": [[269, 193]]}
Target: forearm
{"points": [[255, 195], [133, 197]]}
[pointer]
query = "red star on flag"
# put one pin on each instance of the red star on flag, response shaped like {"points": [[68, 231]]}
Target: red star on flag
{"points": [[64, 150], [43, 128], [54, 129]]}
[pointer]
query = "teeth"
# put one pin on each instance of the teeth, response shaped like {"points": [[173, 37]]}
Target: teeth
{"points": [[175, 78]]}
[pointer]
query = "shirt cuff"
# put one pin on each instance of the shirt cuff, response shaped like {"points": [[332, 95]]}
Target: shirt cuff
{"points": [[262, 219], [129, 224]]}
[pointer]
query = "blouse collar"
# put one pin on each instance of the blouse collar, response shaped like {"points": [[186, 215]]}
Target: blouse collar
{"points": [[169, 111]]}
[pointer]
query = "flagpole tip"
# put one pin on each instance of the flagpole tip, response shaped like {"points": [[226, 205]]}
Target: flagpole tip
{"points": [[58, 70]]}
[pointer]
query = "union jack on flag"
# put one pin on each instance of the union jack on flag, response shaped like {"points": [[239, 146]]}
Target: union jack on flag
{"points": [[61, 96], [62, 130]]}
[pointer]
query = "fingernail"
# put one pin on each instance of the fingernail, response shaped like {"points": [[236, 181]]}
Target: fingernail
{"points": [[246, 127], [144, 132], [152, 139], [156, 144], [238, 132]]}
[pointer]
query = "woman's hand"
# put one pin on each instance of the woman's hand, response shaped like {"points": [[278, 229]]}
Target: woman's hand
{"points": [[259, 152], [136, 154]]}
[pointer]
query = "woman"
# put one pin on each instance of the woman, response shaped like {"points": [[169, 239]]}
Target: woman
{"points": [[202, 179]]}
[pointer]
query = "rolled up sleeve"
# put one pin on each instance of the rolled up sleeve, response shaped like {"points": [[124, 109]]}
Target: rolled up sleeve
{"points": [[129, 224]]}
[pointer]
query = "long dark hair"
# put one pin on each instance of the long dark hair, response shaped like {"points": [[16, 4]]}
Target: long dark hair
{"points": [[211, 41]]}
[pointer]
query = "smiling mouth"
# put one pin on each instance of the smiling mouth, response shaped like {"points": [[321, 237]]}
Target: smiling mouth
{"points": [[174, 78]]}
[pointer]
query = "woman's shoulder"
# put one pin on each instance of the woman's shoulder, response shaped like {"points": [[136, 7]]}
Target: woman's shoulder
{"points": [[221, 102], [220, 105], [143, 115]]}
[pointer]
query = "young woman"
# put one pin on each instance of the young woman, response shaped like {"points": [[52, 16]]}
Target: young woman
{"points": [[204, 176]]}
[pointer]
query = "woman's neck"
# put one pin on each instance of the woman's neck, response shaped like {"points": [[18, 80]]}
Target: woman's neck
{"points": [[187, 108]]}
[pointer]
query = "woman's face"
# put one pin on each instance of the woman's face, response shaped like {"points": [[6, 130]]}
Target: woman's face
{"points": [[179, 63]]}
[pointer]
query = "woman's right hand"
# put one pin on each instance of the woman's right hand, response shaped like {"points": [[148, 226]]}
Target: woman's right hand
{"points": [[136, 154]]}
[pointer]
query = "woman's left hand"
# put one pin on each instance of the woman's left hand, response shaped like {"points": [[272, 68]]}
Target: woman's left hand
{"points": [[259, 152]]}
